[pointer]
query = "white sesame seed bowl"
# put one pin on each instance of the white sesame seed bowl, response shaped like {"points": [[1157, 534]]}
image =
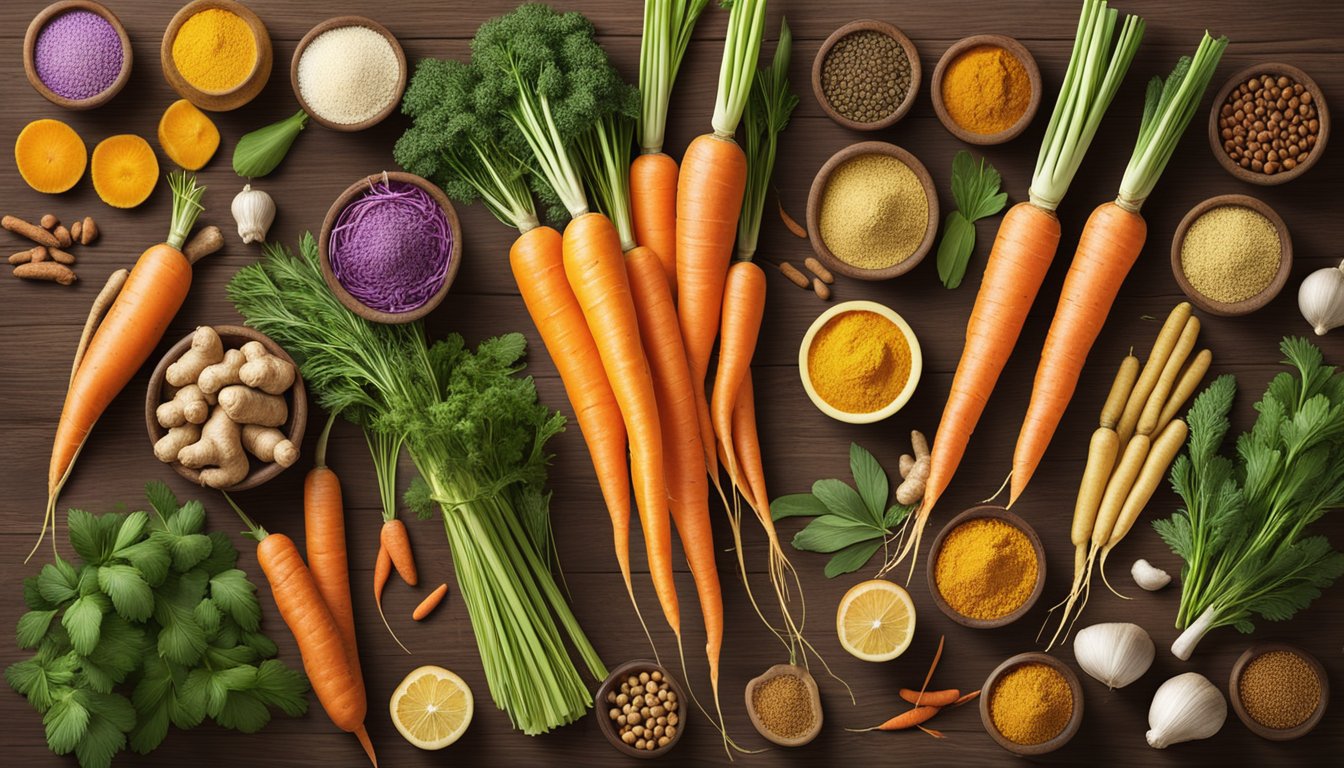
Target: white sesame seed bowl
{"points": [[348, 73]]}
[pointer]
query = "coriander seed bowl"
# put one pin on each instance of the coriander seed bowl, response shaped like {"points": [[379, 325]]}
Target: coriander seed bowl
{"points": [[30, 54], [230, 98], [1075, 716], [866, 27], [912, 377], [1015, 49], [814, 705], [340, 22], [1252, 303], [606, 702], [1264, 731]]}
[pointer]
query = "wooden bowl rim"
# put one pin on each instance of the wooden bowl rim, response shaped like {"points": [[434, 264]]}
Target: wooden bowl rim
{"points": [[1075, 718], [986, 511], [814, 199], [911, 53], [1322, 112], [1277, 734], [814, 695], [454, 256], [298, 404], [912, 379], [1259, 300], [605, 725], [239, 95], [1020, 52], [30, 52], [348, 21]]}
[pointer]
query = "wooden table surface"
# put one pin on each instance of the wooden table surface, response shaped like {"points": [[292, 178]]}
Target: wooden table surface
{"points": [[41, 325]]}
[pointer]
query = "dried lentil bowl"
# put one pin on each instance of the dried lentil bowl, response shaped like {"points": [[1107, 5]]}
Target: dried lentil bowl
{"points": [[873, 30], [607, 725]]}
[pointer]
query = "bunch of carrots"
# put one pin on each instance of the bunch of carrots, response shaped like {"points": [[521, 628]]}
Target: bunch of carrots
{"points": [[924, 704]]}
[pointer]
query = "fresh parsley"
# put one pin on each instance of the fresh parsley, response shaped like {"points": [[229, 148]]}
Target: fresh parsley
{"points": [[975, 188], [851, 521]]}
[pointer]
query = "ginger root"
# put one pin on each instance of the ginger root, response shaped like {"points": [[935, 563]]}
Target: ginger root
{"points": [[265, 371], [915, 471], [218, 453], [269, 444], [206, 350], [222, 374], [188, 406], [170, 445], [248, 406]]}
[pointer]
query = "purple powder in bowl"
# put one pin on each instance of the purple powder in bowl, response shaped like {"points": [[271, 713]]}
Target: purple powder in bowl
{"points": [[390, 248], [78, 55]]}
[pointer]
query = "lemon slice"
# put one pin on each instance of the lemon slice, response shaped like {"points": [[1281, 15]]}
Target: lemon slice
{"points": [[432, 707], [876, 620]]}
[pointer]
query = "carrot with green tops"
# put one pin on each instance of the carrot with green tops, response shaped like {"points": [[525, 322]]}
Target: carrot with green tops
{"points": [[324, 539]]}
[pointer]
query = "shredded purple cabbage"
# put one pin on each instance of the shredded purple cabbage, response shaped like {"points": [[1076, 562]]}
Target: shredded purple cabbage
{"points": [[390, 248]]}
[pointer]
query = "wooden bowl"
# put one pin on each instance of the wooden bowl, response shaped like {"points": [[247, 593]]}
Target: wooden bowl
{"points": [[818, 191], [613, 683], [324, 258], [233, 336], [1019, 52], [993, 513], [336, 23], [813, 694], [1245, 306], [233, 98], [30, 54], [911, 53], [1075, 719], [1264, 731], [912, 380], [1216, 141]]}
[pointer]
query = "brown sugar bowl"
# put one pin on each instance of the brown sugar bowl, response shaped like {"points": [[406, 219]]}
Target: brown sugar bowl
{"points": [[607, 701], [1217, 142], [986, 512], [238, 95], [814, 705], [1264, 731], [35, 28], [1259, 300], [1014, 49], [1075, 716], [911, 91]]}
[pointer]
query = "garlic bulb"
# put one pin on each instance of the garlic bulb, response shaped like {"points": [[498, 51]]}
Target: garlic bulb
{"points": [[254, 210], [1321, 299], [1149, 576], [1116, 654], [1187, 707]]}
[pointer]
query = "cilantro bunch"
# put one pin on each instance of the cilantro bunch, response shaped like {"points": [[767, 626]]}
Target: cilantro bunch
{"points": [[154, 626]]}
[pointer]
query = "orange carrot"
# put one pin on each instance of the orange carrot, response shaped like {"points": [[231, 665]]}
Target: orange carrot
{"points": [[909, 719], [743, 308], [397, 542], [931, 698], [324, 539], [382, 570], [973, 695], [653, 209], [431, 602]]}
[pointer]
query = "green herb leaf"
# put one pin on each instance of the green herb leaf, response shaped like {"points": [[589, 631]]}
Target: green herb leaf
{"points": [[954, 251], [243, 711], [896, 515], [161, 498], [796, 505], [32, 596], [842, 501], [67, 721], [975, 188], [851, 558], [260, 644], [259, 152], [84, 621], [150, 558], [57, 582], [131, 594], [112, 717], [833, 533], [234, 594], [186, 550], [132, 530], [870, 481], [281, 687], [222, 555], [84, 535], [33, 627]]}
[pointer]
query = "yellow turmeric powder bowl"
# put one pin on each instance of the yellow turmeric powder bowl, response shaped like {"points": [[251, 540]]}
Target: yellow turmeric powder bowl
{"points": [[216, 54], [986, 89], [986, 568], [860, 362]]}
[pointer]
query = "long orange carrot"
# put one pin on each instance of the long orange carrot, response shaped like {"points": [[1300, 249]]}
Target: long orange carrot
{"points": [[743, 308], [653, 209], [430, 602], [909, 719], [324, 539], [943, 698]]}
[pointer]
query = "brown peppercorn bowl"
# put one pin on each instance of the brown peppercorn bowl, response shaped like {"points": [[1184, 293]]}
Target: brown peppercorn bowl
{"points": [[336, 23], [814, 696], [233, 98], [613, 683], [991, 513], [1245, 306], [818, 192], [30, 54], [1019, 52], [1257, 177], [454, 256], [1264, 731], [911, 53], [233, 336], [1075, 718]]}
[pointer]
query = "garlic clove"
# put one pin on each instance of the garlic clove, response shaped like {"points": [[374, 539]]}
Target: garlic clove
{"points": [[1149, 576], [254, 210], [1320, 299], [1185, 708], [1115, 653]]}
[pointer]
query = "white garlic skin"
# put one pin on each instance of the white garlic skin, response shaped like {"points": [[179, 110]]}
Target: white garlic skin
{"points": [[254, 210], [1320, 299], [1187, 707], [1149, 576], [1115, 653]]}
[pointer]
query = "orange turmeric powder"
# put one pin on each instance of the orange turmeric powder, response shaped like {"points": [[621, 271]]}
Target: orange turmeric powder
{"points": [[986, 89], [859, 362]]}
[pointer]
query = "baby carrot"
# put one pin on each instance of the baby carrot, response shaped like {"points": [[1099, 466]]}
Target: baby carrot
{"points": [[428, 605]]}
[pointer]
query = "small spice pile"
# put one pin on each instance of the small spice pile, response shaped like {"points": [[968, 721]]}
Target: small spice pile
{"points": [[49, 259], [215, 51], [1279, 689], [645, 711], [865, 76], [874, 212], [783, 705], [986, 89], [78, 55], [986, 568], [859, 362], [1031, 704], [1231, 253], [349, 74], [1269, 125]]}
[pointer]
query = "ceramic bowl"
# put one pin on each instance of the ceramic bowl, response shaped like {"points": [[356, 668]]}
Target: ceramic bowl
{"points": [[993, 513], [1019, 52], [1215, 133], [336, 23], [613, 683], [1075, 719], [916, 74], [1246, 306], [233, 336], [813, 694], [233, 98], [30, 54], [454, 257], [911, 382], [1264, 731], [818, 191]]}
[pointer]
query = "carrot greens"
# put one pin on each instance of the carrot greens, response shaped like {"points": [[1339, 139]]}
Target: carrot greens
{"points": [[667, 31], [767, 115]]}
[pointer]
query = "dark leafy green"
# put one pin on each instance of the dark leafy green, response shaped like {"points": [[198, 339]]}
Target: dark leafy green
{"points": [[975, 188]]}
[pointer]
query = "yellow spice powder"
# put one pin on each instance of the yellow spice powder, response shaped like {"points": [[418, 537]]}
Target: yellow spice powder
{"points": [[859, 362], [1231, 253], [1031, 704], [986, 569], [215, 50]]}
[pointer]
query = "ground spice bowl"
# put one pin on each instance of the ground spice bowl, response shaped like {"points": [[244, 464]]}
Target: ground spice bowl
{"points": [[1215, 137], [992, 513], [233, 336], [30, 54], [233, 98], [912, 379], [337, 23], [324, 257], [814, 697], [1075, 718], [1264, 731], [1018, 51], [818, 191], [1246, 306], [613, 683], [911, 53]]}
